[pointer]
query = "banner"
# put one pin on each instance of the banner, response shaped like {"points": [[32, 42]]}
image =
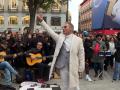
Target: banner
{"points": [[106, 14]]}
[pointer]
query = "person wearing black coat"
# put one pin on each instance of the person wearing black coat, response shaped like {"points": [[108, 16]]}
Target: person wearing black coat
{"points": [[116, 74], [88, 56]]}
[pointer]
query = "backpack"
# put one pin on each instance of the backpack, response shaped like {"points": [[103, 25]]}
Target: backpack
{"points": [[96, 48]]}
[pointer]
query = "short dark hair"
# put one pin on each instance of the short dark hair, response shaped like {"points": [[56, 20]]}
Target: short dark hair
{"points": [[118, 35], [99, 35]]}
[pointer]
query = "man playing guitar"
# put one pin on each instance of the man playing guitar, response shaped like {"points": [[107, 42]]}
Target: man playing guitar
{"points": [[8, 69], [35, 58]]}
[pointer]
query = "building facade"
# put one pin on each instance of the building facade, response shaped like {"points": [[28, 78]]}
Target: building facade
{"points": [[14, 15], [85, 16]]}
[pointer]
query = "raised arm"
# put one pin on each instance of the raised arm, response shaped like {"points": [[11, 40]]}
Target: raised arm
{"points": [[54, 35]]}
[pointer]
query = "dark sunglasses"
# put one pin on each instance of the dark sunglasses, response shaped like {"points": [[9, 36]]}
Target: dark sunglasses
{"points": [[64, 26]]}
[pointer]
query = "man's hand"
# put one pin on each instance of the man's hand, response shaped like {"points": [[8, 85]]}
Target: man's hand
{"points": [[40, 18]]}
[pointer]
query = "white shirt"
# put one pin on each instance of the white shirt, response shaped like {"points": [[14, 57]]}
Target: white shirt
{"points": [[112, 47], [67, 41]]}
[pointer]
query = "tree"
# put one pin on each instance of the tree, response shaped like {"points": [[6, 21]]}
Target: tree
{"points": [[33, 5]]}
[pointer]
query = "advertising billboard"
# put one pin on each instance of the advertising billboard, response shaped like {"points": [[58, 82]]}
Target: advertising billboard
{"points": [[106, 14]]}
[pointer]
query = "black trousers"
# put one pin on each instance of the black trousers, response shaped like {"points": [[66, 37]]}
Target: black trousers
{"points": [[108, 61], [98, 68], [42, 71]]}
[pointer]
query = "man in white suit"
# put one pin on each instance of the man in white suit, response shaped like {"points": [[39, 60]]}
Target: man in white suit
{"points": [[69, 55]]}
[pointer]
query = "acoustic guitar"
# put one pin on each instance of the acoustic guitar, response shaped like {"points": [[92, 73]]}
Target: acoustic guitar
{"points": [[36, 58], [3, 54]]}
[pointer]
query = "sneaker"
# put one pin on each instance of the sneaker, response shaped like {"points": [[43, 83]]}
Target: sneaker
{"points": [[88, 78], [101, 78], [113, 80], [19, 79]]}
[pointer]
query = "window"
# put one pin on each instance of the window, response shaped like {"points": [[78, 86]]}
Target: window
{"points": [[1, 4], [25, 6], [13, 4], [26, 20], [45, 19], [1, 20], [56, 21], [13, 20]]}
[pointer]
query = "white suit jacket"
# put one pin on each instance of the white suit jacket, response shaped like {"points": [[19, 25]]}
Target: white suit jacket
{"points": [[77, 57]]}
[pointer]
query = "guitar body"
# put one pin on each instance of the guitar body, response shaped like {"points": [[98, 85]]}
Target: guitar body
{"points": [[2, 55], [37, 59]]}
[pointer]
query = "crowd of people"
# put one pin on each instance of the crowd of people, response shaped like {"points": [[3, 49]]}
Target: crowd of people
{"points": [[95, 52], [15, 47]]}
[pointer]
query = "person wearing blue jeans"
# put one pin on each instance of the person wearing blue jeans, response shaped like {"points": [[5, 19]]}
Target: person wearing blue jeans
{"points": [[8, 70], [116, 74]]}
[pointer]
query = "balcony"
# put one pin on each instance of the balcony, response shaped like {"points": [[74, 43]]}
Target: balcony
{"points": [[55, 10], [25, 9], [1, 9], [12, 9]]}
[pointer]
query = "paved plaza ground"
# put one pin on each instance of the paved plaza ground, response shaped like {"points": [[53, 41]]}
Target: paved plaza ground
{"points": [[105, 84]]}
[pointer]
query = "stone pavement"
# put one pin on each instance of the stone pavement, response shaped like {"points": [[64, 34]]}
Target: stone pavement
{"points": [[105, 84]]}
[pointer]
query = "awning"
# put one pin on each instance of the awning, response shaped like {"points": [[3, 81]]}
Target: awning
{"points": [[106, 32]]}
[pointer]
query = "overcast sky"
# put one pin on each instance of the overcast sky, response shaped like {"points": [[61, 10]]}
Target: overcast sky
{"points": [[74, 9]]}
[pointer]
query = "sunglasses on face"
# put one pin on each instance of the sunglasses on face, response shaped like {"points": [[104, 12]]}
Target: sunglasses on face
{"points": [[64, 26]]}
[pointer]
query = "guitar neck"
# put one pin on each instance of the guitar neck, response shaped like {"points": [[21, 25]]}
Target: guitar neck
{"points": [[44, 57]]}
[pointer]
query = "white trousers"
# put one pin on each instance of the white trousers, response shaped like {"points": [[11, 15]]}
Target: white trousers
{"points": [[64, 73]]}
